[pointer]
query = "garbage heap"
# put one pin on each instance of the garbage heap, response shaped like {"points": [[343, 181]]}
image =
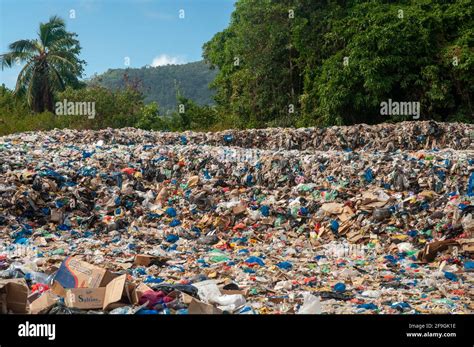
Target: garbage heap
{"points": [[358, 219]]}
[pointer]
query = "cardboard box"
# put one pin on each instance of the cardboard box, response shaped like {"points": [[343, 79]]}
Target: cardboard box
{"points": [[13, 296], [86, 286], [75, 273]]}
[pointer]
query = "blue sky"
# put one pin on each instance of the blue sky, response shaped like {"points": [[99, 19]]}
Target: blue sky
{"points": [[146, 31]]}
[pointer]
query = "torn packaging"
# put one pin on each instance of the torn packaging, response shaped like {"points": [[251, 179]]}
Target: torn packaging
{"points": [[13, 296], [196, 306], [431, 250], [199, 307], [44, 302], [467, 245], [147, 260], [138, 291]]}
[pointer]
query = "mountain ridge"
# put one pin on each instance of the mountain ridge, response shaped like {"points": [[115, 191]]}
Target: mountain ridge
{"points": [[161, 84]]}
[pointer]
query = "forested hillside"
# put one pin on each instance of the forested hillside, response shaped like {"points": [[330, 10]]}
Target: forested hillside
{"points": [[161, 84]]}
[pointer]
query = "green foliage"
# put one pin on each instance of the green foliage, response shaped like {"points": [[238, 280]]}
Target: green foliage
{"points": [[10, 104], [50, 64], [117, 109], [159, 84], [191, 116], [150, 118], [258, 75], [404, 51], [279, 63]]}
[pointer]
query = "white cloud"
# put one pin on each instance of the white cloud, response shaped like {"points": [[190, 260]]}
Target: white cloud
{"points": [[165, 59]]}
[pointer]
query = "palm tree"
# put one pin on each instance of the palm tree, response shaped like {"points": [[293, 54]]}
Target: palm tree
{"points": [[51, 63]]}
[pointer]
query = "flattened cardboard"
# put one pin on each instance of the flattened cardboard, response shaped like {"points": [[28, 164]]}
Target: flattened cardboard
{"points": [[186, 298], [223, 291], [114, 290], [198, 307], [57, 289], [467, 245], [148, 260], [13, 296], [238, 209], [44, 302], [431, 250]]}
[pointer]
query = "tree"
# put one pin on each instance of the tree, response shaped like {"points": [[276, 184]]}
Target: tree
{"points": [[51, 63], [258, 77], [150, 118], [336, 61], [194, 116]]}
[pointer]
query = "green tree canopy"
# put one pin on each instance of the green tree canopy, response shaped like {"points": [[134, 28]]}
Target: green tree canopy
{"points": [[51, 62], [323, 62]]}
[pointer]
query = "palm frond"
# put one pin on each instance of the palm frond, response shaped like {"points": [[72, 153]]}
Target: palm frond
{"points": [[8, 59], [23, 46], [63, 58], [51, 30], [25, 82], [63, 42], [52, 62]]}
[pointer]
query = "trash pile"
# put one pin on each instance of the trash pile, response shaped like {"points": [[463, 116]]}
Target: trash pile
{"points": [[361, 219], [362, 137]]}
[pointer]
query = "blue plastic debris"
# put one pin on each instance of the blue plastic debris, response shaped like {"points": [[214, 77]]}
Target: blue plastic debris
{"points": [[255, 260], [171, 212], [369, 175], [249, 180], [470, 186], [469, 265], [265, 210], [151, 279], [334, 226], [339, 287], [401, 306], [450, 276], [391, 259], [286, 265], [172, 238], [304, 211], [368, 306], [146, 312], [21, 241], [175, 223]]}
